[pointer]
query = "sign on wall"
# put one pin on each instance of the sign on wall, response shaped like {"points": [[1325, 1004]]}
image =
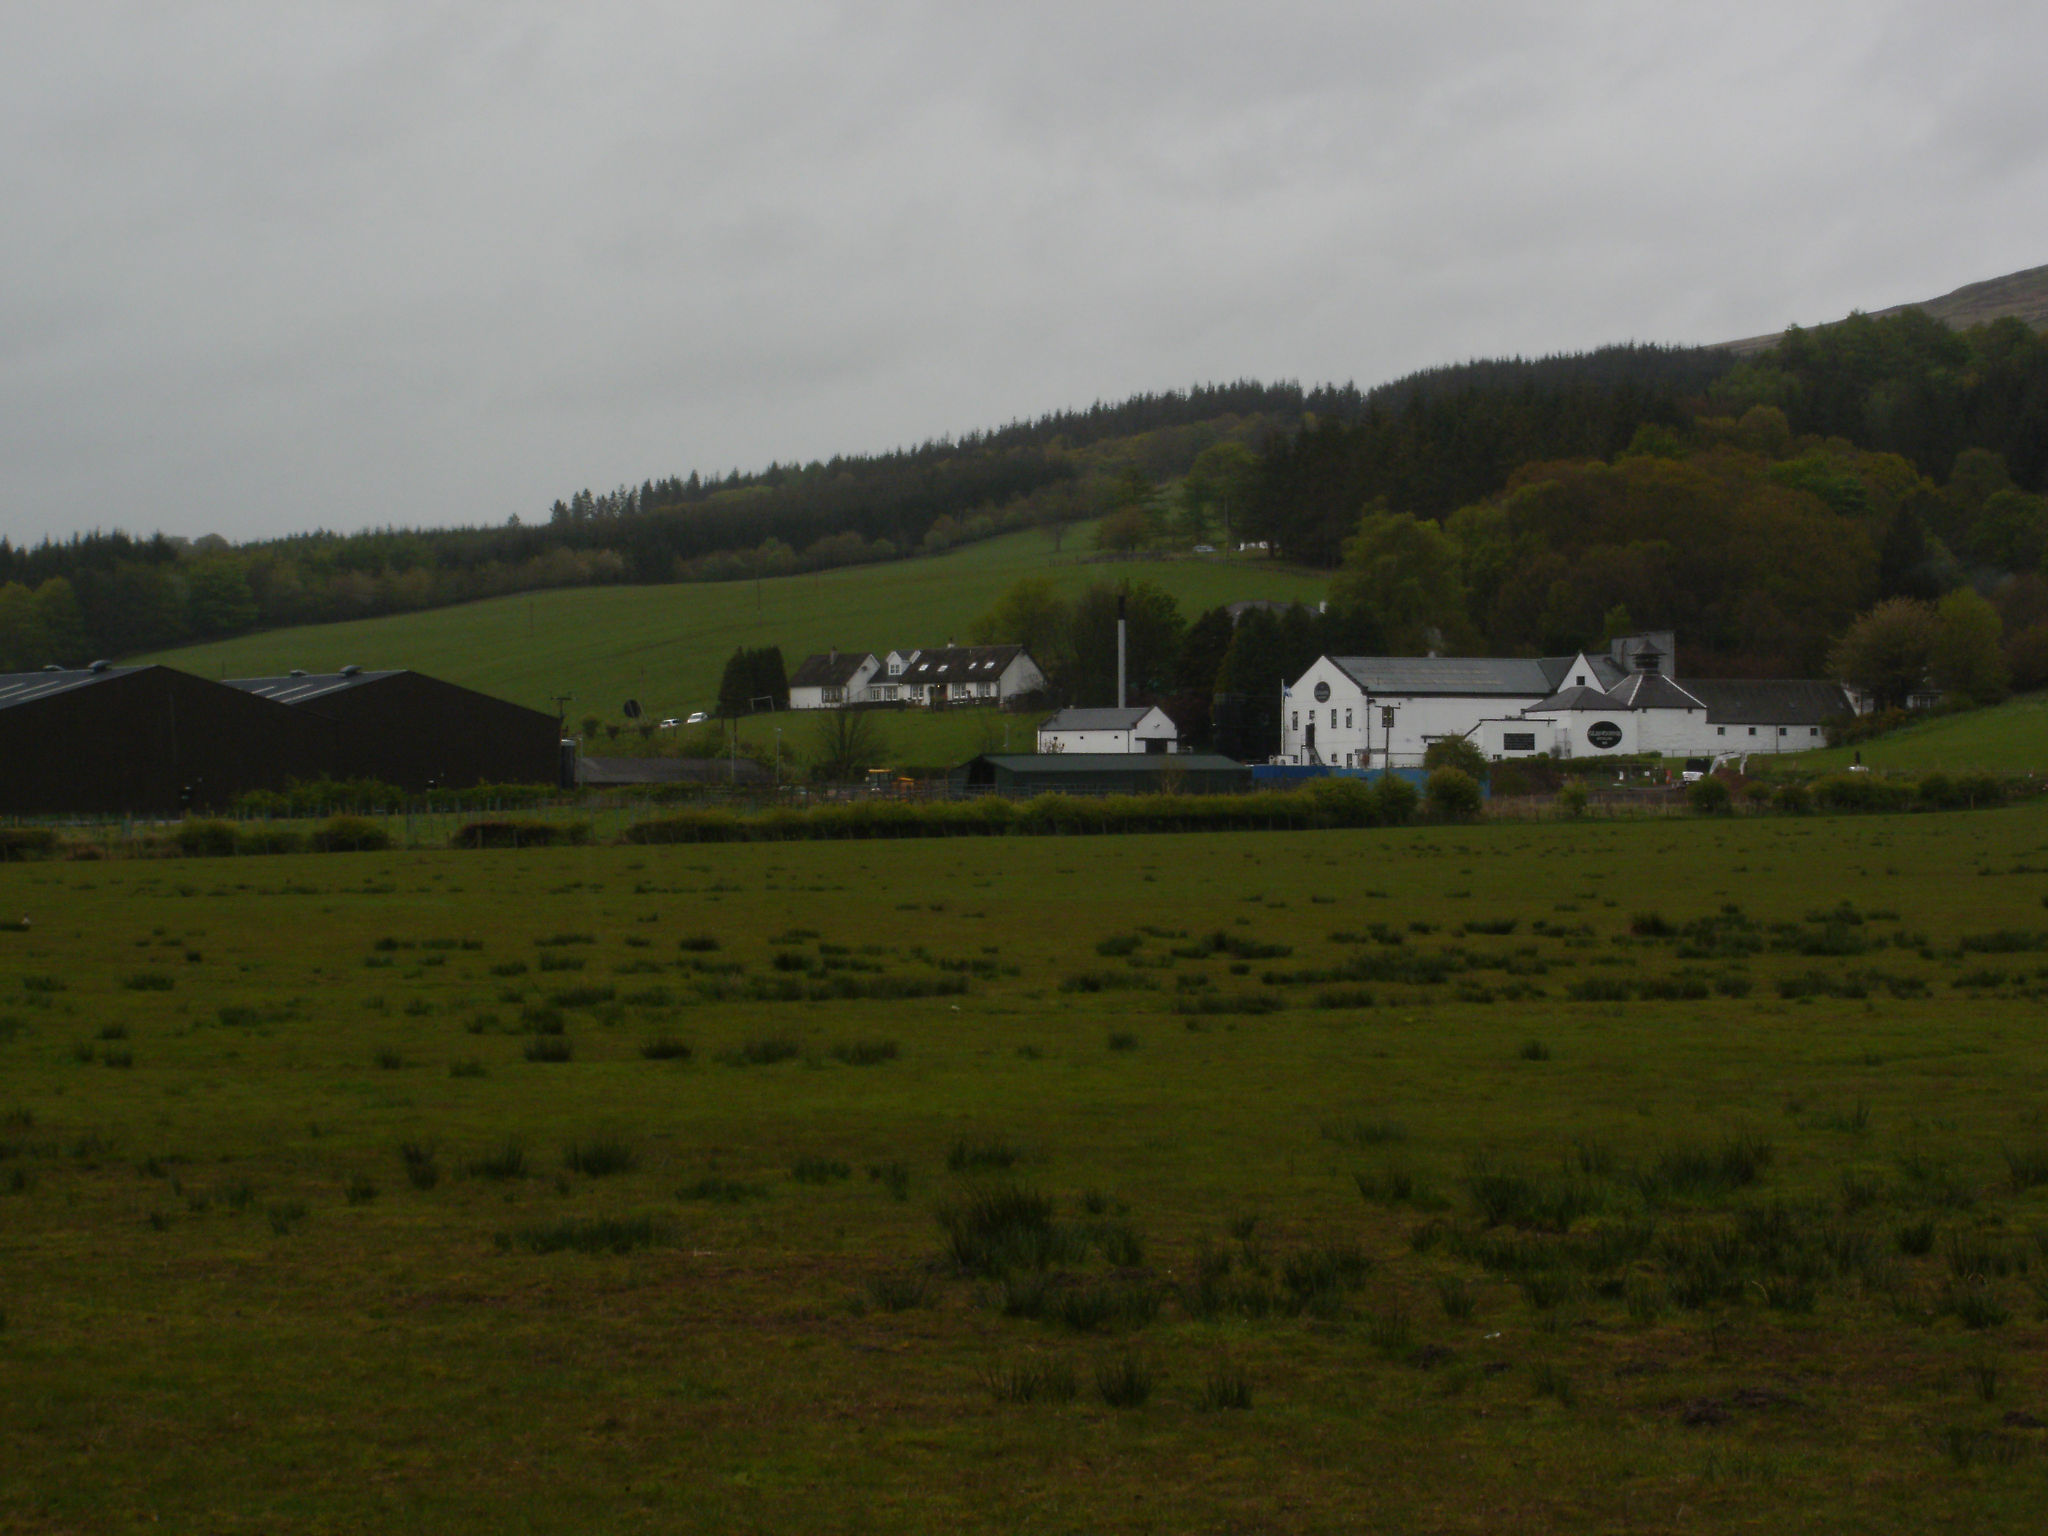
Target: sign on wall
{"points": [[1603, 734]]}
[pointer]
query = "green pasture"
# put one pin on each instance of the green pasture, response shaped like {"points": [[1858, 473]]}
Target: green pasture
{"points": [[2009, 738], [667, 646], [1666, 1175]]}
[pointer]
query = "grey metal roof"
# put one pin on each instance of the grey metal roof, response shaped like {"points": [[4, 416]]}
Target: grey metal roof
{"points": [[1578, 698], [1506, 677], [828, 669], [1097, 719], [311, 685], [1652, 690], [27, 687], [1788, 701]]}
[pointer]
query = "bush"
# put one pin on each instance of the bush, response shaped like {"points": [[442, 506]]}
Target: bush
{"points": [[1571, 800], [20, 843], [1862, 792], [1709, 796], [348, 834], [206, 839], [1452, 795], [1395, 799], [1455, 752], [520, 834], [1793, 799]]}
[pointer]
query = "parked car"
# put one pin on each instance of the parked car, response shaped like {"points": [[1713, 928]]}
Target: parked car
{"points": [[698, 718], [669, 724]]}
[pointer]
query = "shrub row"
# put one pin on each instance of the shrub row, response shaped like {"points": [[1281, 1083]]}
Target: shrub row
{"points": [[1330, 803]]}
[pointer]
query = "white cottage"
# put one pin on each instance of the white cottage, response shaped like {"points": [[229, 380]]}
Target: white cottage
{"points": [[1109, 730], [832, 680], [965, 674]]}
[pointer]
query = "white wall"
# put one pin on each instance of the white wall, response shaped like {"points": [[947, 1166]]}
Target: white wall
{"points": [[1418, 720]]}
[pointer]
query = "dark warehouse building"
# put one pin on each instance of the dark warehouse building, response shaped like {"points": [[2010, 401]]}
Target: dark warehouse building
{"points": [[115, 741], [415, 731]]}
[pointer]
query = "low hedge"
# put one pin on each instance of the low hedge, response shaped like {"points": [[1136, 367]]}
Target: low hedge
{"points": [[1327, 803], [21, 843], [348, 834], [520, 834]]}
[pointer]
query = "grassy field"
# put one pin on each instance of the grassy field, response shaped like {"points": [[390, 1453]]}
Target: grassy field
{"points": [[1658, 1176], [667, 646], [2012, 738]]}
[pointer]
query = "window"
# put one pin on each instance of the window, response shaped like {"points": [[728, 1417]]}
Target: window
{"points": [[1347, 719], [1752, 730], [1580, 680], [1518, 741], [1294, 721], [1720, 730], [1813, 730], [1333, 719], [832, 695], [1781, 730]]}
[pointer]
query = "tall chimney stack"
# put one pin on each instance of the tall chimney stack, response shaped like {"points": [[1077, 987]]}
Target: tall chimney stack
{"points": [[1120, 650]]}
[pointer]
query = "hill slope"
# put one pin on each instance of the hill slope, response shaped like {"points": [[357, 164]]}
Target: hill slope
{"points": [[2023, 295], [667, 645], [2012, 738]]}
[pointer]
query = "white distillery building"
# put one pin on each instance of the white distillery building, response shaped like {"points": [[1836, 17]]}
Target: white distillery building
{"points": [[1359, 711], [1109, 730]]}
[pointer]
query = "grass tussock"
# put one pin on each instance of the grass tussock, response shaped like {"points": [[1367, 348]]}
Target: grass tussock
{"points": [[600, 1157], [591, 1235]]}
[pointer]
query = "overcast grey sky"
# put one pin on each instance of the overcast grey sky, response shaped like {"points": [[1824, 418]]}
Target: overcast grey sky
{"points": [[266, 267]]}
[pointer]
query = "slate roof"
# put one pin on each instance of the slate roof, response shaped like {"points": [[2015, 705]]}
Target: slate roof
{"points": [[960, 664], [1579, 698], [1651, 690], [1606, 671], [27, 687], [1097, 719], [828, 669], [299, 687], [1505, 677], [1790, 701]]}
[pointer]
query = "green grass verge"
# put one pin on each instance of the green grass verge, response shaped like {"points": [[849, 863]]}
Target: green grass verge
{"points": [[2009, 738], [1752, 1237]]}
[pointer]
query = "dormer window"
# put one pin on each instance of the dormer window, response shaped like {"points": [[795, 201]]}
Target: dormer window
{"points": [[1580, 680]]}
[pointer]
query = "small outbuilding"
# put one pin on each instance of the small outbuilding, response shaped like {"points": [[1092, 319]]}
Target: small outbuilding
{"points": [[1109, 730]]}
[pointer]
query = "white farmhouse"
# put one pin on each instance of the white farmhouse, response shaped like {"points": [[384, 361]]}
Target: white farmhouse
{"points": [[1109, 730], [832, 680], [964, 674]]}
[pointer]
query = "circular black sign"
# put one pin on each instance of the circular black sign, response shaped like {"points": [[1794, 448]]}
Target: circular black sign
{"points": [[1322, 693], [1604, 734], [632, 709]]}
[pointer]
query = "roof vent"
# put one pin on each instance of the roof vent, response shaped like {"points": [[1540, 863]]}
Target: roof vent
{"points": [[351, 670], [99, 666], [298, 671]]}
